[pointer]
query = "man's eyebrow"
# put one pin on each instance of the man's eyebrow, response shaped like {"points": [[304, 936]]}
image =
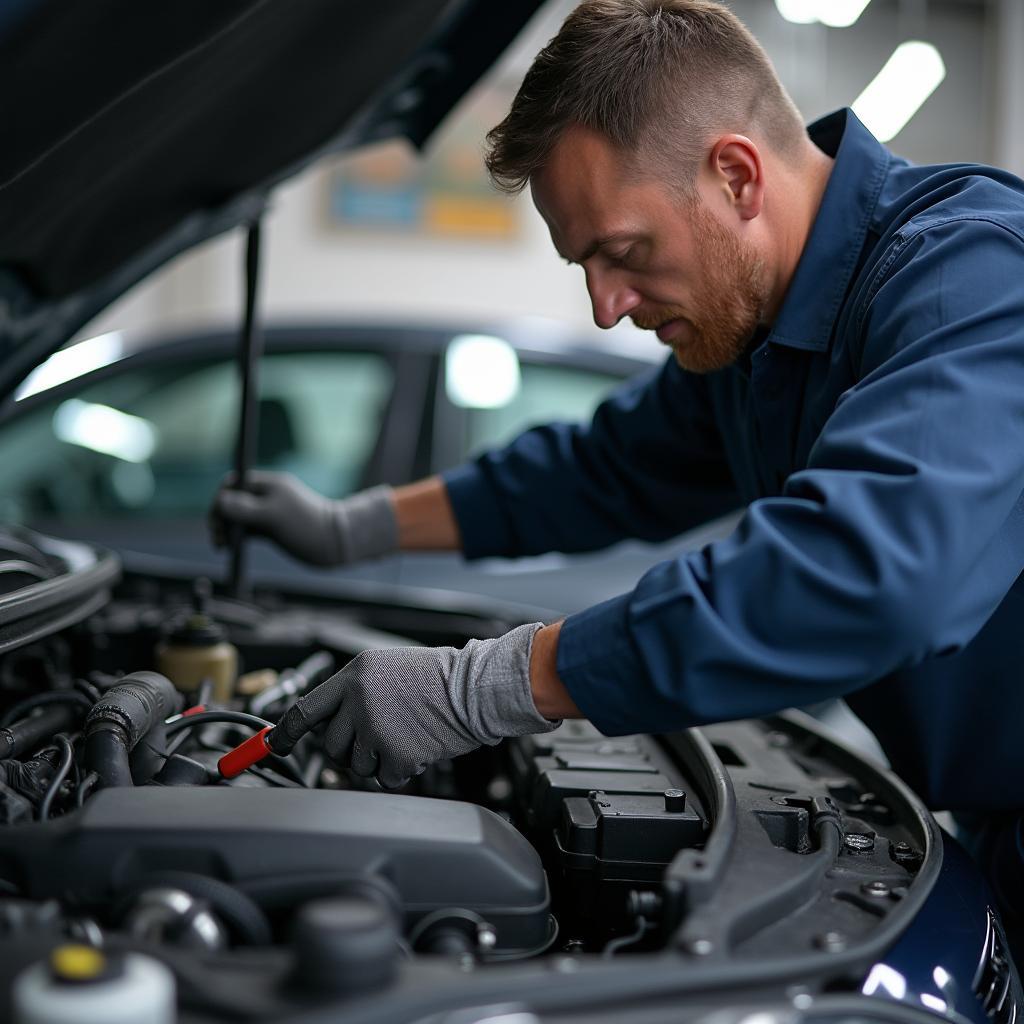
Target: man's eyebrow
{"points": [[616, 236]]}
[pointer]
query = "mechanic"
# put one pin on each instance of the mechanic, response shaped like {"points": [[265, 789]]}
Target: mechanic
{"points": [[847, 336]]}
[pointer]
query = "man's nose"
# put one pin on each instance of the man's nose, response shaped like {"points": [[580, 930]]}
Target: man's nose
{"points": [[611, 299]]}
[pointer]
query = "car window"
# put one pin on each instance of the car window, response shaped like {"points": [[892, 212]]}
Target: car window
{"points": [[546, 393], [155, 441]]}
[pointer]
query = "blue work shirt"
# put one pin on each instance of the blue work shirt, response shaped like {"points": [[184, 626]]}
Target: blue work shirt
{"points": [[876, 436]]}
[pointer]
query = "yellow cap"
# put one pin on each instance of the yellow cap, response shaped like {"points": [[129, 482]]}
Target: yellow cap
{"points": [[77, 963]]}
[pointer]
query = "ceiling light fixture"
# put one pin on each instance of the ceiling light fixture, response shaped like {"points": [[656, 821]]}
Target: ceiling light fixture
{"points": [[834, 13], [899, 90]]}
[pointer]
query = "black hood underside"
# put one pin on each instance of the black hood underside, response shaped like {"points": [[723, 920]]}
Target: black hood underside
{"points": [[133, 131]]}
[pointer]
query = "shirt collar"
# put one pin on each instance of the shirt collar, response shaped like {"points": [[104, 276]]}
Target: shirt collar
{"points": [[831, 252]]}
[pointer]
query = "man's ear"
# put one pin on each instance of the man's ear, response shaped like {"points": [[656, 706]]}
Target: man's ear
{"points": [[736, 168]]}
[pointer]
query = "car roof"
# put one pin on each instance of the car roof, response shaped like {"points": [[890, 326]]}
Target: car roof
{"points": [[537, 339]]}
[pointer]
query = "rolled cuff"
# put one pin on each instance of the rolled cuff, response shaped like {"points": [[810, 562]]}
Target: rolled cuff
{"points": [[483, 524], [600, 665]]}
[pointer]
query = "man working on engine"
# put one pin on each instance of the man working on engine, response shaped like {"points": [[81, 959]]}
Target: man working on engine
{"points": [[847, 333]]}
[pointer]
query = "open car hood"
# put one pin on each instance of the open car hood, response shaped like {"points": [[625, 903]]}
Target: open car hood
{"points": [[134, 131]]}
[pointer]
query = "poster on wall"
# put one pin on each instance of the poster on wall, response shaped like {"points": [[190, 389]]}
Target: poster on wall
{"points": [[392, 188]]}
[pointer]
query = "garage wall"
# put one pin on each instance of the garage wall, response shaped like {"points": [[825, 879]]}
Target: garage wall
{"points": [[314, 271]]}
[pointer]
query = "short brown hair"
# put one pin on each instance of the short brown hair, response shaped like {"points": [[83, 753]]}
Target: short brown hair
{"points": [[657, 78]]}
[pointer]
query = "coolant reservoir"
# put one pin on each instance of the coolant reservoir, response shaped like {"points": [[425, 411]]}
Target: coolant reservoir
{"points": [[86, 985], [196, 649]]}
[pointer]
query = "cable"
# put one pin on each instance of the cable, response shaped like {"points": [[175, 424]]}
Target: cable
{"points": [[268, 775], [88, 689], [294, 778], [314, 766], [229, 718], [87, 785], [25, 568], [612, 947], [16, 711], [525, 954], [209, 717], [58, 779]]}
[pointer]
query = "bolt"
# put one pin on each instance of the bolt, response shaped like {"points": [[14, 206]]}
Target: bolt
{"points": [[831, 942], [859, 841], [875, 889], [486, 937], [906, 856], [699, 946], [675, 800]]}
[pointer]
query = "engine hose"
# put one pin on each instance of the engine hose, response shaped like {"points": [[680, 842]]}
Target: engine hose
{"points": [[120, 718], [106, 754], [29, 734], [23, 707], [239, 912]]}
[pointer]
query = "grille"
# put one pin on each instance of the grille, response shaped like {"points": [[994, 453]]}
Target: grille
{"points": [[996, 984]]}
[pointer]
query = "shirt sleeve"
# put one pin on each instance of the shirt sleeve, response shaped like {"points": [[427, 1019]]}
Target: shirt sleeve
{"points": [[648, 466], [895, 543]]}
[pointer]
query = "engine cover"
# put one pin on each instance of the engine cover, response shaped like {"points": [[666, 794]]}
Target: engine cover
{"points": [[434, 854]]}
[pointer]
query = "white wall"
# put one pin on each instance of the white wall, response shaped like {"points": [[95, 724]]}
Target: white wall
{"points": [[311, 271]]}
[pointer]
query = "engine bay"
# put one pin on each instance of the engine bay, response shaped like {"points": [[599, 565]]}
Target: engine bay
{"points": [[756, 848]]}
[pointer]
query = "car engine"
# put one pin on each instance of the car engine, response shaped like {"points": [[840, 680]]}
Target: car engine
{"points": [[757, 851]]}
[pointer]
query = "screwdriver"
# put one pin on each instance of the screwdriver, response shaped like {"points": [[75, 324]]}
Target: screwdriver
{"points": [[269, 740], [252, 751]]}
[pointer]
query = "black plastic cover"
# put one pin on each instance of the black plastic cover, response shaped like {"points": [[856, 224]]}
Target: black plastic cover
{"points": [[434, 854]]}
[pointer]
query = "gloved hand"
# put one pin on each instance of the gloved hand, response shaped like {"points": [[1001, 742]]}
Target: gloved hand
{"points": [[393, 712], [309, 526]]}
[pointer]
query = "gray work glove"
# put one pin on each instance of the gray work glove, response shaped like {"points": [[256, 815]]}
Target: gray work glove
{"points": [[394, 712], [309, 526]]}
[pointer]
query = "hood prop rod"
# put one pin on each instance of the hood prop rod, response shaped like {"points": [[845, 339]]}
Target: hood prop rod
{"points": [[250, 349]]}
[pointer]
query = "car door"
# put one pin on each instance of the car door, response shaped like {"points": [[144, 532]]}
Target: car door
{"points": [[540, 387], [131, 455]]}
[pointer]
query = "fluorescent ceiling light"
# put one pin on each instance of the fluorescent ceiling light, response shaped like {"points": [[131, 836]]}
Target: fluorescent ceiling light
{"points": [[104, 429], [481, 372], [69, 363], [899, 90], [834, 13], [800, 12]]}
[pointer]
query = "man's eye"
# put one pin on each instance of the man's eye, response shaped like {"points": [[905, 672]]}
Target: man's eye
{"points": [[625, 252]]}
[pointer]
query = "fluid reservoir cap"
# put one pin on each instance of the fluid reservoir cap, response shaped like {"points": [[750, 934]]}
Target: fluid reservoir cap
{"points": [[74, 964], [196, 628], [75, 983], [344, 945]]}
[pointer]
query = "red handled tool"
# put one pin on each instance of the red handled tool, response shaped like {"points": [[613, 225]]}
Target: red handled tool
{"points": [[246, 754]]}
